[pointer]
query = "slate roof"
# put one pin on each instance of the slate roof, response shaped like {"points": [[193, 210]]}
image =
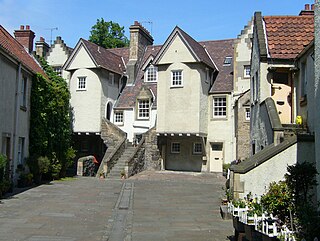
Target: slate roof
{"points": [[198, 49], [105, 58], [219, 50], [10, 45], [128, 96], [288, 35], [207, 51]]}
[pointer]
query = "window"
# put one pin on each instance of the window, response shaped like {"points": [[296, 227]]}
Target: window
{"points": [[197, 148], [23, 100], [58, 70], [219, 106], [118, 117], [227, 61], [111, 78], [21, 150], [84, 146], [143, 109], [216, 146], [246, 72], [247, 114], [175, 147], [176, 78], [151, 74], [82, 83]]}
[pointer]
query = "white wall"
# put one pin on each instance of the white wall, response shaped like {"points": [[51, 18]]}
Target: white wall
{"points": [[57, 57], [15, 121], [258, 179], [220, 130], [132, 126], [86, 104]]}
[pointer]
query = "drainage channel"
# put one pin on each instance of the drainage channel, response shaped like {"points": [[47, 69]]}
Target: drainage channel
{"points": [[120, 225]]}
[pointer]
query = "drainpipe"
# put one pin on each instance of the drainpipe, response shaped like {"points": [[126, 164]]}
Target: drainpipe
{"points": [[16, 121]]}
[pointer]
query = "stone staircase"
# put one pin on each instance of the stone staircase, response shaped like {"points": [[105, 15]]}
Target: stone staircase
{"points": [[119, 166]]}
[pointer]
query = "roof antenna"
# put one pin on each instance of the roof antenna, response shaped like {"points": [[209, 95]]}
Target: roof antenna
{"points": [[51, 30], [150, 23]]}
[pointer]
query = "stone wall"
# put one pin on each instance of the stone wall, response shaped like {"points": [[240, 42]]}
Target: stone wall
{"points": [[152, 153]]}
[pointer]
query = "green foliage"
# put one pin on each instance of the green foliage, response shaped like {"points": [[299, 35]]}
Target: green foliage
{"points": [[278, 200], [43, 164], [3, 161], [50, 122], [108, 34]]}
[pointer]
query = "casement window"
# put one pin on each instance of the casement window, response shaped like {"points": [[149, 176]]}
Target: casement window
{"points": [[143, 109], [227, 61], [176, 78], [151, 74], [24, 90], [82, 83], [247, 114], [219, 107], [118, 117], [175, 147], [111, 78], [246, 71], [58, 70], [21, 150], [197, 148]]}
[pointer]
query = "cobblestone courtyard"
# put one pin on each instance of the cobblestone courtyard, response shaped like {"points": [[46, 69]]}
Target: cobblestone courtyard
{"points": [[148, 207]]}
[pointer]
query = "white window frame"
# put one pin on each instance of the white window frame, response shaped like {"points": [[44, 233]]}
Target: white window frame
{"points": [[176, 78], [143, 109], [151, 74], [227, 61], [219, 110], [175, 147], [196, 150], [245, 71], [118, 117], [247, 113], [82, 83], [58, 70]]}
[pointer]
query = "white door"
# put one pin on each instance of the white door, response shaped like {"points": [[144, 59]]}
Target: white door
{"points": [[216, 156]]}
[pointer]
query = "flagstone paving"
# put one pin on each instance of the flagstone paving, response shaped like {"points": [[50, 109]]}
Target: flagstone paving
{"points": [[151, 206]]}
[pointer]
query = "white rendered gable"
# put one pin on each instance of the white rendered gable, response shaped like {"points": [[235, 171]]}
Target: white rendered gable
{"points": [[81, 59], [177, 51]]}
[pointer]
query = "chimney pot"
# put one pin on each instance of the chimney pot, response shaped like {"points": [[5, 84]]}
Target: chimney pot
{"points": [[312, 7], [307, 7], [27, 27], [21, 27], [136, 23], [41, 39]]}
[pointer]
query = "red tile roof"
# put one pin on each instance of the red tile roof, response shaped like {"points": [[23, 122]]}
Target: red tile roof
{"points": [[10, 45], [288, 35]]}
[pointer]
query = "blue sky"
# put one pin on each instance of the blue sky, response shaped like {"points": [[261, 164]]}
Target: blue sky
{"points": [[202, 19]]}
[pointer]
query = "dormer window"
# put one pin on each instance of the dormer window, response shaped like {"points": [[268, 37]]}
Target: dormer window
{"points": [[151, 74], [227, 61]]}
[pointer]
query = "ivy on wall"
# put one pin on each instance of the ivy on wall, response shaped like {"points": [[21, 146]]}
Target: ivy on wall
{"points": [[50, 122]]}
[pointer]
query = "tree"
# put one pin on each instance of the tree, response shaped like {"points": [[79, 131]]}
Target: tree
{"points": [[108, 34], [50, 122]]}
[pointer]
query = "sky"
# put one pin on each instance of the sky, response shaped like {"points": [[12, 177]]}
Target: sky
{"points": [[201, 19]]}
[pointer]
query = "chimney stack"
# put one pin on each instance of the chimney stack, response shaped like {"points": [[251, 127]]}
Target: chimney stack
{"points": [[25, 37], [42, 47], [307, 10], [139, 39]]}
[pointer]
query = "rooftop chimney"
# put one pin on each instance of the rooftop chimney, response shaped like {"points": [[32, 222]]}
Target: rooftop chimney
{"points": [[42, 47], [139, 39], [307, 10], [25, 37]]}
